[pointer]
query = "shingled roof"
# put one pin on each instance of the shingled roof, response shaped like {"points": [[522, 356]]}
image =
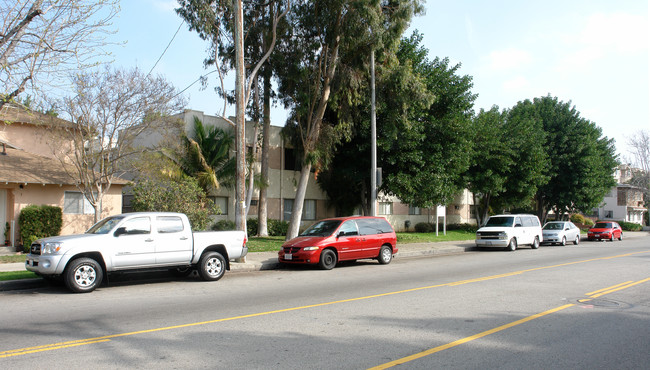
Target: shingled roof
{"points": [[19, 166], [12, 112]]}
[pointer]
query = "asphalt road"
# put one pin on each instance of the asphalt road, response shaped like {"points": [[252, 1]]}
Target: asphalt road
{"points": [[585, 306]]}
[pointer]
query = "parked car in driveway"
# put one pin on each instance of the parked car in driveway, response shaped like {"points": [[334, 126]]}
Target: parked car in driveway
{"points": [[605, 230], [559, 232], [341, 239], [510, 231]]}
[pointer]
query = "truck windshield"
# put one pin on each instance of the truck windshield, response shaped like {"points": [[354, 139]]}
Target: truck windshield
{"points": [[105, 225], [322, 228], [500, 221]]}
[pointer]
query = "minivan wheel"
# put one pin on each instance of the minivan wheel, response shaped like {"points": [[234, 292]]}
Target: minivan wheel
{"points": [[385, 255], [512, 246], [327, 259], [536, 243]]}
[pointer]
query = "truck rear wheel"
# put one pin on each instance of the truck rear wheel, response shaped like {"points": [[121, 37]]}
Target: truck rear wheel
{"points": [[212, 266], [83, 275]]}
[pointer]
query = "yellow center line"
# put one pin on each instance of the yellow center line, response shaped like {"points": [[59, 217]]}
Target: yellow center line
{"points": [[605, 289], [49, 347], [443, 347]]}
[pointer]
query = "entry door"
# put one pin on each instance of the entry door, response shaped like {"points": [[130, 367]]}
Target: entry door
{"points": [[3, 214]]}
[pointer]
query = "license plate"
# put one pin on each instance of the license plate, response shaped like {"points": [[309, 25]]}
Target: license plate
{"points": [[288, 256], [488, 243]]}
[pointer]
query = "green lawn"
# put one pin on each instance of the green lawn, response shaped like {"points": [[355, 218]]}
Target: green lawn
{"points": [[273, 243], [12, 258], [15, 275]]}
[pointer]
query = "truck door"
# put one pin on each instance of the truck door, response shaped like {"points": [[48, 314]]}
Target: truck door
{"points": [[134, 244], [173, 240]]}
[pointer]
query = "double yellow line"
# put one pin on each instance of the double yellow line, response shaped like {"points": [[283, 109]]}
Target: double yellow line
{"points": [[82, 342], [443, 347]]}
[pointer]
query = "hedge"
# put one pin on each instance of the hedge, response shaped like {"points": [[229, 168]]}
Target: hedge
{"points": [[39, 222]]}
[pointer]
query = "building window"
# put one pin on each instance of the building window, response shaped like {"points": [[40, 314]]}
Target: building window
{"points": [[385, 208], [221, 203], [414, 210], [609, 214], [291, 162], [75, 203], [308, 209]]}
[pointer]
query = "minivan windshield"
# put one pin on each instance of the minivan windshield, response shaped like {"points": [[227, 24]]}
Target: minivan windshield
{"points": [[500, 221], [105, 225], [322, 228]]}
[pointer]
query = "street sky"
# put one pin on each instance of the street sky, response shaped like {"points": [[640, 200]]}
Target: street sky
{"points": [[593, 53]]}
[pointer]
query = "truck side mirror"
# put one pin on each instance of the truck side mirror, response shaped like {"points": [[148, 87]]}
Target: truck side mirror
{"points": [[119, 231]]}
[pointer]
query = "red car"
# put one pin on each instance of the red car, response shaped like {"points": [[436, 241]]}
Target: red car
{"points": [[342, 239], [605, 230]]}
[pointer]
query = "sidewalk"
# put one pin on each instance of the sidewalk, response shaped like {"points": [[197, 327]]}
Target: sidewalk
{"points": [[257, 261]]}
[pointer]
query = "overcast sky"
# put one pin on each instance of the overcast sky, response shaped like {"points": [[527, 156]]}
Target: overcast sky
{"points": [[593, 53]]}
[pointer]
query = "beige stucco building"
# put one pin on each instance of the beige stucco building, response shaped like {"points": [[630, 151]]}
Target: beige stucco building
{"points": [[30, 173], [284, 173]]}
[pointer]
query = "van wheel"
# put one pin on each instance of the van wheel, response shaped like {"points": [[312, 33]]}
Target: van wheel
{"points": [[385, 255], [212, 266], [535, 244], [83, 275], [327, 259], [512, 246]]}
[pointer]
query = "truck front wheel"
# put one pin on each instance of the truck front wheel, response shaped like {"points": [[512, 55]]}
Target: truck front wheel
{"points": [[212, 266], [83, 275]]}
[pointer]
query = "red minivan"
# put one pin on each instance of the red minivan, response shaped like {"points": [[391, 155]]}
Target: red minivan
{"points": [[342, 239]]}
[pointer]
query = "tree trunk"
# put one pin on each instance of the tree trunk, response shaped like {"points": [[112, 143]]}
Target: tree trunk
{"points": [[262, 215], [296, 211]]}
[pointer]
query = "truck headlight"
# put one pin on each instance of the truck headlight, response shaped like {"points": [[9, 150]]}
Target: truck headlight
{"points": [[310, 248], [503, 236], [51, 247]]}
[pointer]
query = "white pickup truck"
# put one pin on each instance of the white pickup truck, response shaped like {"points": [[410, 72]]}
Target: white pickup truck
{"points": [[135, 241]]}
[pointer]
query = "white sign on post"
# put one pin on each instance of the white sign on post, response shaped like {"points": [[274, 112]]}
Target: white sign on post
{"points": [[441, 211]]}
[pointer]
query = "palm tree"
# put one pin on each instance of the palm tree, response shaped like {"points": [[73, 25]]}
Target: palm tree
{"points": [[206, 156]]}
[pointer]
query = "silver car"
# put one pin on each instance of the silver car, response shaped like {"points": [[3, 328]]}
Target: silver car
{"points": [[560, 232]]}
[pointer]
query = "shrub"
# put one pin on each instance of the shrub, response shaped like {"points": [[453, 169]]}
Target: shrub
{"points": [[252, 226], [184, 196], [277, 227], [630, 226], [39, 222], [224, 225], [578, 219], [588, 222], [470, 228], [424, 227]]}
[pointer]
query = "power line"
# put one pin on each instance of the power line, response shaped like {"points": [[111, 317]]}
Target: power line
{"points": [[164, 51]]}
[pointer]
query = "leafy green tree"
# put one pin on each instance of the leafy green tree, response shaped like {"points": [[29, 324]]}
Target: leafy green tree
{"points": [[508, 160], [323, 53], [423, 124], [581, 161], [184, 195]]}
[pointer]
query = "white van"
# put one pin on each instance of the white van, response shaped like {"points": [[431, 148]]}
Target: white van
{"points": [[510, 231]]}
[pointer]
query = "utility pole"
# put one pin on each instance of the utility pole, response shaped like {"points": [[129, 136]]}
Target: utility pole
{"points": [[373, 135], [240, 121]]}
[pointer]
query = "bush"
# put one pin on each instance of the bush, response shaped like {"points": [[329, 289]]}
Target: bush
{"points": [[252, 226], [424, 227], [39, 222], [578, 219], [277, 227], [223, 225], [588, 222], [184, 196], [470, 228], [630, 226]]}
